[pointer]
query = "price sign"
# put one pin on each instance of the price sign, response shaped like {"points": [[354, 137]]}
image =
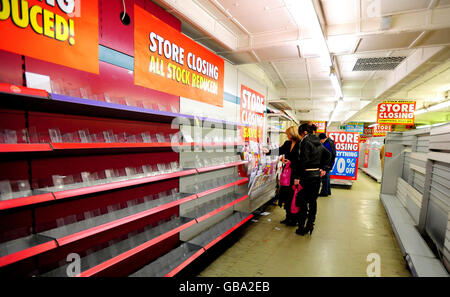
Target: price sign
{"points": [[347, 155]]}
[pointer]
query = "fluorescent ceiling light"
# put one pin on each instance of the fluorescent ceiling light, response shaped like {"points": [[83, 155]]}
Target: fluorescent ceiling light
{"points": [[439, 106], [305, 9], [373, 125], [336, 85], [433, 107], [420, 111]]}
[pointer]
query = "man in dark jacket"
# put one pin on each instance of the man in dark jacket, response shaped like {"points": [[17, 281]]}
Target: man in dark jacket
{"points": [[328, 143], [311, 164]]}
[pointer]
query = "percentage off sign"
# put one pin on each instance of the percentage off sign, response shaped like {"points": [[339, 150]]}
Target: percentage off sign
{"points": [[351, 163]]}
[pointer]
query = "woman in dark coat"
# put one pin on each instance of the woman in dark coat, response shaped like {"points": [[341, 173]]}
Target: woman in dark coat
{"points": [[290, 151], [311, 164]]}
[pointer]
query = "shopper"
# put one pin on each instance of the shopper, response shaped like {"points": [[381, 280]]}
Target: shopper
{"points": [[313, 160], [289, 153], [328, 143]]}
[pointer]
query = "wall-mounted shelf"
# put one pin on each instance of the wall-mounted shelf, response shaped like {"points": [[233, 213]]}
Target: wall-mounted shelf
{"points": [[30, 246], [187, 252], [56, 195], [50, 102]]}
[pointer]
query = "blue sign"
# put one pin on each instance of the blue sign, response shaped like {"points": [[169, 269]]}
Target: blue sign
{"points": [[346, 165], [357, 127]]}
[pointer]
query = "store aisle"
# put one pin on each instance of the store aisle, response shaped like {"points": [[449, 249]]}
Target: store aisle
{"points": [[350, 225]]}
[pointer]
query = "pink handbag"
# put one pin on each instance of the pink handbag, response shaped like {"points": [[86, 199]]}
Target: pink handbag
{"points": [[294, 208], [285, 177]]}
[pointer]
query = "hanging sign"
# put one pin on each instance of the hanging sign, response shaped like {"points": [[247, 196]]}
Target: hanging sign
{"points": [[169, 61], [368, 132], [321, 126], [347, 155], [357, 127], [252, 113], [63, 32], [381, 130], [396, 112]]}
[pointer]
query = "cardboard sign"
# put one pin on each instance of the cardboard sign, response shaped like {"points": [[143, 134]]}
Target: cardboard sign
{"points": [[396, 112], [347, 155], [321, 126], [357, 127], [253, 105], [60, 32], [169, 61], [381, 130]]}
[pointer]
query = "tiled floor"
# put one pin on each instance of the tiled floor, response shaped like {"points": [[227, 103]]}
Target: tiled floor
{"points": [[350, 225]]}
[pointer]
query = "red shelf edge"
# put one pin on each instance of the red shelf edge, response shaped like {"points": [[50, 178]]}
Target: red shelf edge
{"points": [[185, 263], [113, 261], [68, 146], [211, 191], [21, 90], [228, 232], [120, 184], [208, 246], [24, 201], [24, 147], [27, 253], [220, 209], [111, 225]]}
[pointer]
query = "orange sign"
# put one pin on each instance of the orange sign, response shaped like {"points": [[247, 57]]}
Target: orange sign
{"points": [[321, 126], [168, 61], [62, 32], [252, 113], [381, 130], [396, 112]]}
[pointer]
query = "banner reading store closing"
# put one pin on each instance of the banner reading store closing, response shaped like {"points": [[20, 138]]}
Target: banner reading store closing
{"points": [[61, 32], [168, 61], [381, 130], [252, 113], [321, 126], [396, 112], [347, 155]]}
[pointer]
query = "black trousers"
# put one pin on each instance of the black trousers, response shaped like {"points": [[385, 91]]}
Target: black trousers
{"points": [[286, 195], [307, 200]]}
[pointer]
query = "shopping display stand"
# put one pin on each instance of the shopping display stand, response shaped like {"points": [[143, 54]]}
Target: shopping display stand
{"points": [[416, 195], [115, 230]]}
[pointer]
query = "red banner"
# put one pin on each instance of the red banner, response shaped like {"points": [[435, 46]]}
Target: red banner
{"points": [[347, 155], [252, 113], [381, 130], [169, 61], [60, 32], [321, 126], [396, 112]]}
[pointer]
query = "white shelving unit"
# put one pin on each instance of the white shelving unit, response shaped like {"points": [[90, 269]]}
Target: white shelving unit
{"points": [[415, 192]]}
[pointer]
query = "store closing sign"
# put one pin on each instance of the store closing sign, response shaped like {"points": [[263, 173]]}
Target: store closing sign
{"points": [[168, 61], [252, 113], [63, 32], [321, 126], [396, 112], [381, 130], [347, 155]]}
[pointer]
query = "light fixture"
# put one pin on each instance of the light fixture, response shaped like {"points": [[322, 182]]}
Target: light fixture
{"points": [[439, 106], [373, 125], [305, 9], [336, 85], [333, 113], [433, 107]]}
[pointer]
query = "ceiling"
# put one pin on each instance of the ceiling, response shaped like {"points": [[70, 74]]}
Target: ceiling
{"points": [[277, 37]]}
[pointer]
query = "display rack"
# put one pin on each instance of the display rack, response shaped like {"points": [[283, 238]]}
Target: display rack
{"points": [[107, 222], [416, 195], [370, 162]]}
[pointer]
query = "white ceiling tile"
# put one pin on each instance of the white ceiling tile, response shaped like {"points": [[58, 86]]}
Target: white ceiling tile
{"points": [[339, 12]]}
